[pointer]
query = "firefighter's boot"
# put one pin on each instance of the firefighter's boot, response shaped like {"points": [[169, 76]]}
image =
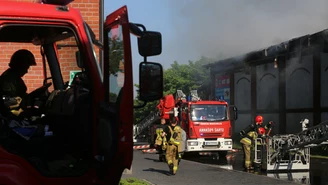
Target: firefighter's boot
{"points": [[171, 168], [179, 158], [175, 169]]}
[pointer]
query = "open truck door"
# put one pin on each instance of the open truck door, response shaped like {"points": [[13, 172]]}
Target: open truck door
{"points": [[115, 141], [115, 128]]}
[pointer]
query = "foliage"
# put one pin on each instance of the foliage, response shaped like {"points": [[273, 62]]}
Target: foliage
{"points": [[112, 97], [116, 54], [132, 181], [185, 77], [141, 113]]}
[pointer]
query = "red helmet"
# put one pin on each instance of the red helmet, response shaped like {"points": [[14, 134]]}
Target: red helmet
{"points": [[259, 119], [261, 131]]}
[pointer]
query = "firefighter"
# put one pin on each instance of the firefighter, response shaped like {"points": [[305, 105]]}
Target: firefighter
{"points": [[12, 83], [183, 141], [160, 145], [172, 135], [249, 135]]}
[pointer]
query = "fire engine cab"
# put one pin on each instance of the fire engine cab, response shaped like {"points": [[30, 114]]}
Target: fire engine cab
{"points": [[207, 123], [79, 131]]}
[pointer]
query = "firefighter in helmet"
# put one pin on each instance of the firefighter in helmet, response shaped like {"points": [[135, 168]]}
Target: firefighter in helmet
{"points": [[11, 83], [249, 135], [172, 134], [159, 142]]}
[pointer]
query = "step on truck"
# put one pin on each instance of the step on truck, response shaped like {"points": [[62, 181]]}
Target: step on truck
{"points": [[86, 124]]}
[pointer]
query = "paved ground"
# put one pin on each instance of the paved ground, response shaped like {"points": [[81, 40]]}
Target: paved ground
{"points": [[147, 166]]}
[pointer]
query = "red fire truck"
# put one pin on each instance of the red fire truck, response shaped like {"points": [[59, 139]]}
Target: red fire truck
{"points": [[85, 126], [207, 123]]}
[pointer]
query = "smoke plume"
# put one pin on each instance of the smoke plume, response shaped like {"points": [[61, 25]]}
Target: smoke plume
{"points": [[221, 29]]}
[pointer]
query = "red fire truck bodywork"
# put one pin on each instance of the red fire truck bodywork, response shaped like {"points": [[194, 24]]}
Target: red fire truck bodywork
{"points": [[110, 124], [207, 123]]}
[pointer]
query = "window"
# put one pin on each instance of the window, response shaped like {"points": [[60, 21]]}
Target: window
{"points": [[208, 112], [116, 62], [67, 59]]}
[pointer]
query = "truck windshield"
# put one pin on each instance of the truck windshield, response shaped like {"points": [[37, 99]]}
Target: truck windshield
{"points": [[208, 112]]}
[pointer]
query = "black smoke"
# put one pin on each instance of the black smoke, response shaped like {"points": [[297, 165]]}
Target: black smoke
{"points": [[221, 29]]}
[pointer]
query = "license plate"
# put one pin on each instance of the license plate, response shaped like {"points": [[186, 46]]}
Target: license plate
{"points": [[211, 143]]}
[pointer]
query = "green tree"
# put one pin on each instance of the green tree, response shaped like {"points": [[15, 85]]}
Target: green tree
{"points": [[185, 77], [116, 54], [141, 113]]}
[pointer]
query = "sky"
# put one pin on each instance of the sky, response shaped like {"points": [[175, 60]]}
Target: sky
{"points": [[220, 28]]}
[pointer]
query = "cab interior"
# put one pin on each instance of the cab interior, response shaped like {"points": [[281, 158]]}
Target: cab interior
{"points": [[63, 103]]}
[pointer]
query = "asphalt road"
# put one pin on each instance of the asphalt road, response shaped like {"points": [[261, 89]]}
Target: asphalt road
{"points": [[147, 166], [318, 174]]}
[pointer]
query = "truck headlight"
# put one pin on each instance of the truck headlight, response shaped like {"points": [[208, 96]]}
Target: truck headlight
{"points": [[192, 143], [227, 143]]}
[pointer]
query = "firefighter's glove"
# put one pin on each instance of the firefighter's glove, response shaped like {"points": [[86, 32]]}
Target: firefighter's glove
{"points": [[268, 126], [242, 133]]}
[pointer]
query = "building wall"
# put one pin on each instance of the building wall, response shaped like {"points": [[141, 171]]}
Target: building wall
{"points": [[242, 100], [267, 93], [90, 12], [284, 95]]}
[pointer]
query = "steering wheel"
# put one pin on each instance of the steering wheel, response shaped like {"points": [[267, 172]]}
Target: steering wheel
{"points": [[38, 92]]}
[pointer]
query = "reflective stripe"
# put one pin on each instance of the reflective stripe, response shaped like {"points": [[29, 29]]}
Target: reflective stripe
{"points": [[246, 141], [169, 162], [175, 168], [247, 164]]}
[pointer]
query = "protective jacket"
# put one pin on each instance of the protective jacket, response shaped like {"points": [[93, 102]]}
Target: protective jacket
{"points": [[159, 138], [249, 134], [12, 84], [173, 136]]}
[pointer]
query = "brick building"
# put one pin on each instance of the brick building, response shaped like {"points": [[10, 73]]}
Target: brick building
{"points": [[90, 12]]}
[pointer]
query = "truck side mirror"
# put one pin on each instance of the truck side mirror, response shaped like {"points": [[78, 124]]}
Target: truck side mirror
{"points": [[150, 81], [150, 43], [233, 112]]}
